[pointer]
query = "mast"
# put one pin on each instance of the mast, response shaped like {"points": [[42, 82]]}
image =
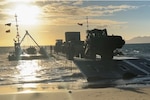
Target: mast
{"points": [[17, 36], [87, 23]]}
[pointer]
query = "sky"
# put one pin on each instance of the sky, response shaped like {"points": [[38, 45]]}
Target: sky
{"points": [[48, 20]]}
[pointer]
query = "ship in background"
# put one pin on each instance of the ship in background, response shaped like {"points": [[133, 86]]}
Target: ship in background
{"points": [[26, 54]]}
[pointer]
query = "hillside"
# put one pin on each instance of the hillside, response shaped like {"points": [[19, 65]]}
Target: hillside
{"points": [[144, 39]]}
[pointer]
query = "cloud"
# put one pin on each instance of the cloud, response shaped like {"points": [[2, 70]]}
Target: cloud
{"points": [[73, 8], [69, 11], [63, 9], [97, 10], [78, 2]]}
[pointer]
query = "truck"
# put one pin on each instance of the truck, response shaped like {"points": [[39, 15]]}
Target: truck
{"points": [[97, 42]]}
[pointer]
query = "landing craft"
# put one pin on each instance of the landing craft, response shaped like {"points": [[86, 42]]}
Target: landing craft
{"points": [[99, 59], [28, 54]]}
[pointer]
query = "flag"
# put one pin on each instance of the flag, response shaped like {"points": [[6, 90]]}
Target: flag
{"points": [[7, 31], [8, 24], [80, 24]]}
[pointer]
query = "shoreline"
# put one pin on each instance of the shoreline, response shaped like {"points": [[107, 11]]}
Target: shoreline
{"points": [[46, 92]]}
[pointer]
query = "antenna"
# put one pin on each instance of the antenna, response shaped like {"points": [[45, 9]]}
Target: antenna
{"points": [[87, 23], [17, 36]]}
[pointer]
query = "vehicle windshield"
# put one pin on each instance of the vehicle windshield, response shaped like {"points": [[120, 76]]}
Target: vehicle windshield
{"points": [[75, 46]]}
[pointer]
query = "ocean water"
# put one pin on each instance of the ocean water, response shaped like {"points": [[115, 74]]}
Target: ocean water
{"points": [[37, 71], [51, 70], [137, 50]]}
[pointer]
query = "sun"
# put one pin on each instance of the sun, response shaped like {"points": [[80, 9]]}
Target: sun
{"points": [[27, 14]]}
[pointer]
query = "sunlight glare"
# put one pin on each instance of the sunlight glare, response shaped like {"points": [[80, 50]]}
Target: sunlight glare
{"points": [[28, 70], [20, 0], [27, 15]]}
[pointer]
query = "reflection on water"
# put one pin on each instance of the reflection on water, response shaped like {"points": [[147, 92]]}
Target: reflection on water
{"points": [[27, 70], [38, 71]]}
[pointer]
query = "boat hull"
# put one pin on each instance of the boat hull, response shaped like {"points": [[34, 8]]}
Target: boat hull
{"points": [[97, 70]]}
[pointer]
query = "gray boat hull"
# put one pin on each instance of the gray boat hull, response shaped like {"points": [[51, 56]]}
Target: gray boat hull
{"points": [[118, 68]]}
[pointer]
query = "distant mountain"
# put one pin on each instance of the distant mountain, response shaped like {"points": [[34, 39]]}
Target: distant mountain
{"points": [[144, 39]]}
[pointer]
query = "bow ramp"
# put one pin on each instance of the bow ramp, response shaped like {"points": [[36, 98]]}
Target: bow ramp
{"points": [[118, 68]]}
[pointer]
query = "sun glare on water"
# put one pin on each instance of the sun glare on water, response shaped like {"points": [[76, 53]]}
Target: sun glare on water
{"points": [[28, 70], [27, 14]]}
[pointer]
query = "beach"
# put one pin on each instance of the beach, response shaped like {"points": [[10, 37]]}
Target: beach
{"points": [[60, 79], [46, 92]]}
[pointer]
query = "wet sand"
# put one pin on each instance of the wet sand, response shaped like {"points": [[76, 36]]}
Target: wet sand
{"points": [[48, 92]]}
